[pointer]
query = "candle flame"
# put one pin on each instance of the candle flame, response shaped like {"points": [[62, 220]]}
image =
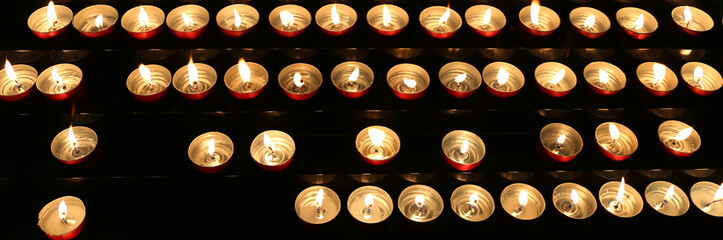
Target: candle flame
{"points": [[614, 132], [334, 15], [460, 78], [697, 73], [192, 73], [145, 73], [589, 21], [319, 198], [143, 17], [376, 136], [243, 70], [56, 77], [487, 17], [561, 139], [687, 15], [369, 200], [411, 83], [354, 75], [419, 200], [574, 197], [683, 134], [639, 23], [187, 20], [669, 193], [522, 198], [236, 19], [9, 70], [71, 138], [62, 210], [386, 16], [465, 147], [287, 19], [297, 80], [604, 76], [443, 19], [473, 199], [718, 194], [535, 12], [558, 77], [658, 73], [99, 21], [269, 143], [502, 76], [211, 146], [52, 16], [621, 190]]}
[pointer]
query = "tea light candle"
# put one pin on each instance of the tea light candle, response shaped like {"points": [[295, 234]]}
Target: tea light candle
{"points": [[300, 81], [74, 144], [658, 79], [703, 79], [195, 80], [555, 79], [420, 203], [503, 79], [246, 80], [237, 19], [50, 21], [60, 81], [561, 142], [387, 19], [604, 78], [369, 204], [574, 200], [149, 83], [210, 152], [289, 20], [486, 20], [679, 138], [273, 150], [637, 22], [460, 79], [187, 21], [589, 22], [317, 205], [377, 144], [408, 81], [666, 198], [335, 19], [692, 20], [16, 81], [620, 199], [352, 79], [62, 218], [472, 203], [463, 150], [522, 201], [96, 20], [539, 20], [615, 141], [708, 197], [440, 22], [143, 22]]}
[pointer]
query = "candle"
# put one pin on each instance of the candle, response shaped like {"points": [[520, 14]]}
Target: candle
{"points": [[289, 20], [246, 80], [460, 79], [74, 144], [387, 19], [615, 141], [666, 198], [604, 78], [486, 20], [317, 205], [658, 79], [369, 204], [273, 150], [377, 144], [679, 138], [50, 21], [589, 22], [637, 22], [522, 201], [539, 20], [143, 22], [408, 81], [195, 80], [574, 200], [561, 142], [708, 197], [472, 203], [210, 152], [96, 20], [16, 81], [703, 79], [335, 19], [237, 19], [352, 79], [503, 79], [692, 20], [620, 199], [60, 81], [440, 22], [62, 218], [300, 81], [149, 82], [463, 150], [420, 203], [187, 21], [555, 79]]}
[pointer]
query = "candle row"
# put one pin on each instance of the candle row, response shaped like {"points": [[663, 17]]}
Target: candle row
{"points": [[189, 21]]}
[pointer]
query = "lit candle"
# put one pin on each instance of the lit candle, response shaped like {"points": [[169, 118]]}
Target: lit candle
{"points": [[463, 150], [637, 22], [574, 200], [149, 83], [195, 80], [440, 22], [211, 152], [486, 20], [503, 79], [522, 201], [387, 19], [369, 204], [589, 22], [658, 79], [692, 20], [377, 145], [604, 78], [273, 150], [666, 198], [621, 199], [17, 80], [187, 21], [709, 200], [352, 79], [74, 144], [561, 142], [300, 81], [679, 138], [616, 141], [703, 79], [420, 203], [408, 81], [317, 205], [237, 19], [143, 22], [472, 203], [336, 19], [289, 20], [60, 81], [460, 79], [50, 21], [555, 79], [539, 20], [96, 20], [246, 80], [62, 218]]}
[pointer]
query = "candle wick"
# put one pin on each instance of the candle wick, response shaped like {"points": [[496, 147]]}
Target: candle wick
{"points": [[660, 205], [711, 203]]}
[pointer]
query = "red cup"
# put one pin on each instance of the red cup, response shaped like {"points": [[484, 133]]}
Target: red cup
{"points": [[353, 94], [70, 235], [150, 98], [211, 170], [553, 93], [103, 33], [189, 35], [18, 96], [611, 156], [244, 96], [196, 96], [460, 166], [145, 35], [300, 97], [275, 168], [234, 34], [501, 94], [407, 96]]}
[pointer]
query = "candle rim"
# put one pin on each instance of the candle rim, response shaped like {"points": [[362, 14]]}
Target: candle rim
{"points": [[494, 11], [179, 79], [694, 136], [464, 67], [21, 67], [570, 132], [652, 188], [274, 14], [605, 22], [311, 69], [327, 8], [58, 9], [583, 193], [254, 67], [78, 131], [555, 17], [376, 192], [253, 12], [649, 18], [616, 72], [176, 13], [149, 9], [424, 14], [45, 74], [221, 141], [474, 142], [482, 194], [400, 13], [103, 8], [569, 74], [53, 204], [363, 68], [259, 140], [153, 67], [695, 12], [707, 70], [535, 198], [670, 77], [301, 199], [625, 133]]}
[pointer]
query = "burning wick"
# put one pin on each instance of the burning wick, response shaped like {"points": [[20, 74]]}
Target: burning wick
{"points": [[10, 72], [145, 74], [58, 80], [143, 18], [616, 205], [212, 150], [419, 201], [614, 135], [462, 152], [472, 205], [192, 74], [658, 74], [73, 142], [589, 22], [298, 83], [317, 203], [270, 155], [99, 21], [287, 20], [560, 143], [458, 84], [442, 23], [718, 197], [535, 14], [639, 22], [668, 196], [188, 21], [352, 84], [697, 74], [486, 19], [245, 73], [63, 213], [376, 136], [368, 203], [522, 200], [386, 19], [236, 19], [574, 199], [688, 16], [335, 21], [604, 78], [675, 143], [554, 83], [501, 83], [52, 16], [408, 86]]}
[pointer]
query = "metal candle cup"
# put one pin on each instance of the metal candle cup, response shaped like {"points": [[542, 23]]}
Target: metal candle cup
{"points": [[658, 79], [317, 205], [242, 88], [548, 21], [432, 20], [141, 26], [463, 150], [420, 203], [472, 203], [349, 83], [335, 25], [522, 201], [96, 20], [17, 82], [377, 144], [485, 25], [45, 28], [289, 20], [237, 19], [666, 198], [703, 79], [604, 78], [61, 86], [76, 147], [503, 79], [369, 204], [210, 152], [696, 22], [617, 143], [408, 81], [194, 86], [704, 196], [460, 79], [152, 88], [679, 138], [629, 203], [62, 228], [561, 142], [589, 22], [300, 81], [187, 21], [630, 19], [387, 25], [273, 150], [555, 79], [574, 200]]}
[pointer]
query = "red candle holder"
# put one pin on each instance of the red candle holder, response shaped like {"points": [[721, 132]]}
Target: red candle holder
{"points": [[678, 138], [17, 81], [539, 20], [211, 152], [273, 150], [60, 82], [463, 150], [377, 145], [352, 79], [62, 218], [408, 81], [604, 78], [692, 20], [289, 20], [589, 22], [440, 22], [335, 19], [149, 82], [246, 80], [237, 19], [460, 79], [187, 21], [555, 79], [95, 21], [637, 22], [143, 22], [74, 144], [561, 142], [703, 79], [658, 79], [616, 141], [300, 81], [195, 80], [486, 20], [50, 21], [387, 19], [503, 79]]}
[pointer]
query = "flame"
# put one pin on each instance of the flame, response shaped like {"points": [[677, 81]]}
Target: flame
{"points": [[658, 73], [354, 75], [502, 76], [143, 17], [411, 83], [589, 21], [99, 21], [535, 12], [376, 136], [465, 147], [683, 134], [369, 200], [297, 80], [473, 199], [9, 70], [460, 78], [443, 19], [334, 15], [574, 198], [244, 70], [268, 142], [697, 73], [487, 17], [614, 132], [604, 76], [639, 23], [669, 193], [621, 190], [558, 77], [386, 16], [287, 19], [522, 198], [145, 73], [71, 138], [192, 73], [62, 209], [211, 146], [419, 200], [56, 77], [687, 15], [236, 19], [187, 20], [718, 194], [561, 139], [319, 198], [52, 16]]}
